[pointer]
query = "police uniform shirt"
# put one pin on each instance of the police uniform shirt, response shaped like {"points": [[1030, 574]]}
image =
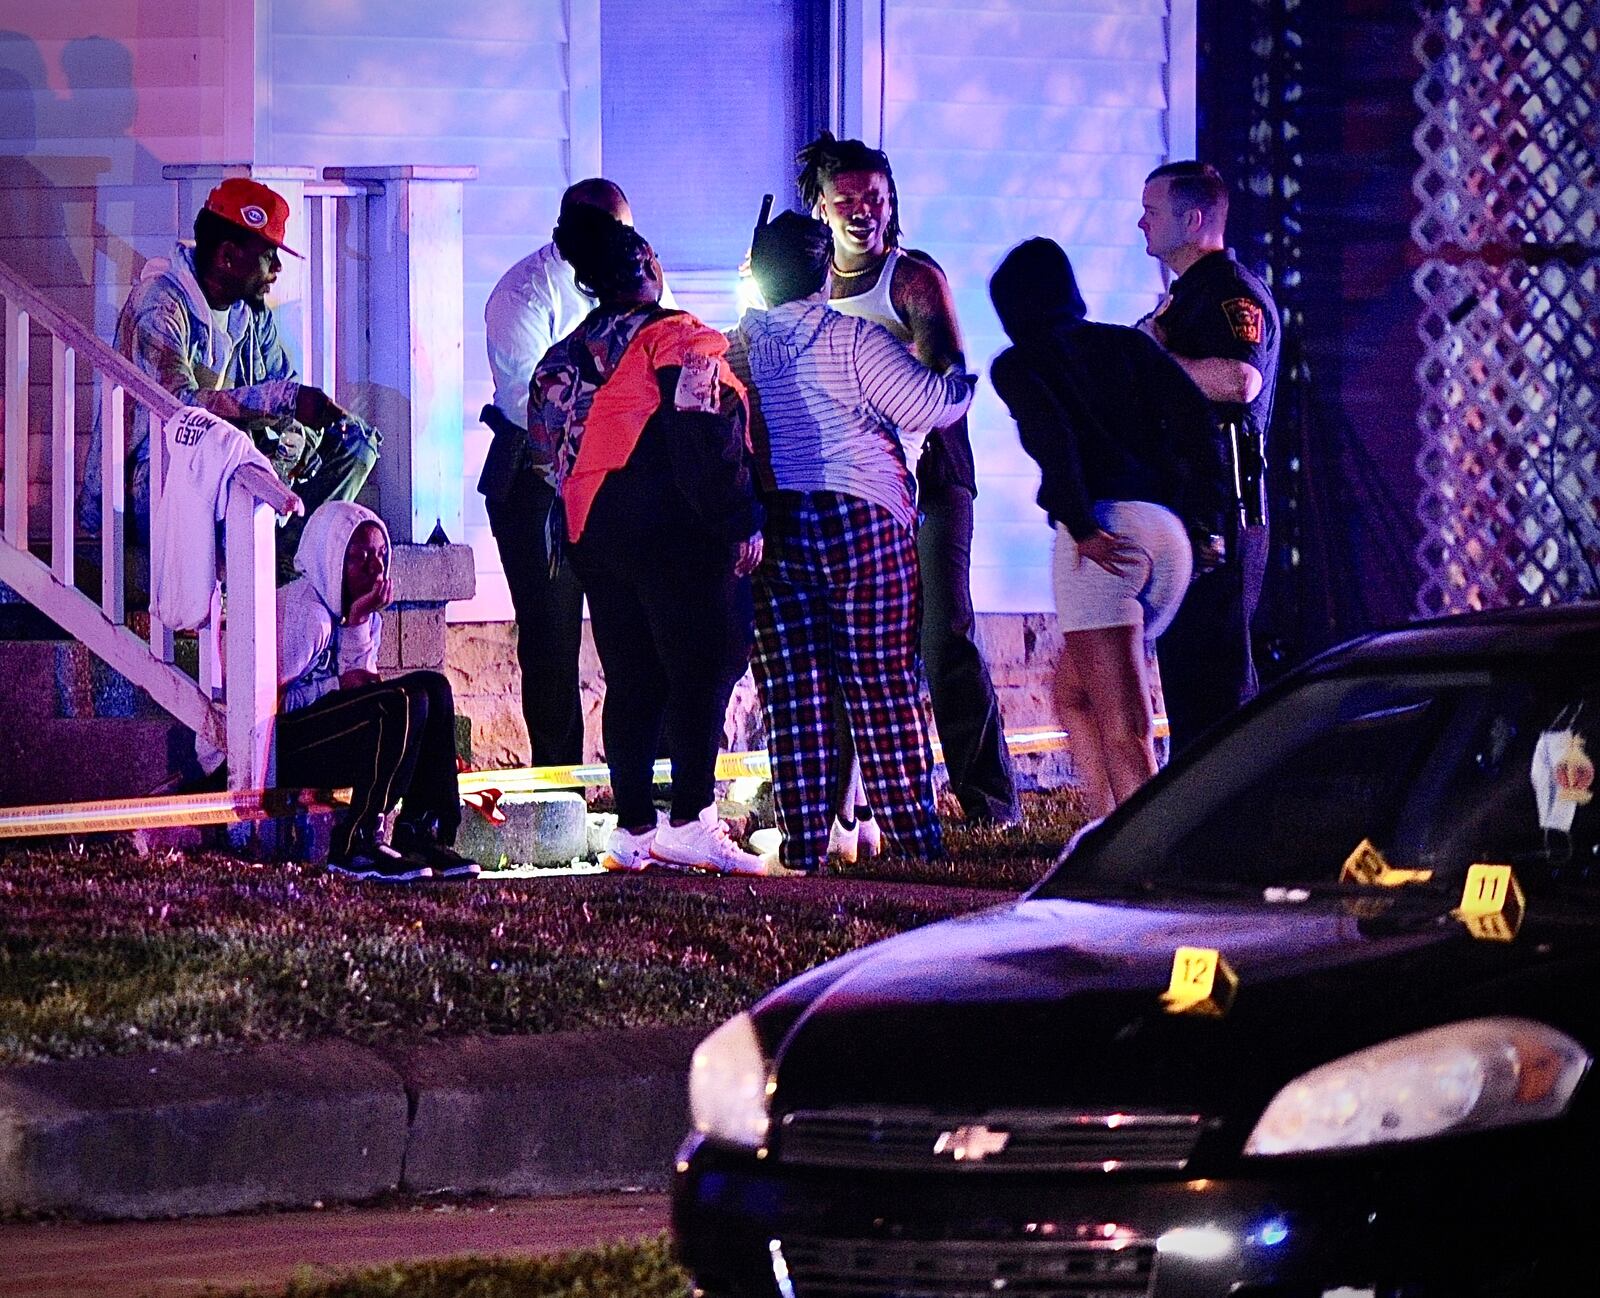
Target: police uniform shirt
{"points": [[1218, 308]]}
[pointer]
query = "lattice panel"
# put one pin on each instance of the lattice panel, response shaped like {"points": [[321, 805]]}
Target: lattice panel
{"points": [[1509, 228]]}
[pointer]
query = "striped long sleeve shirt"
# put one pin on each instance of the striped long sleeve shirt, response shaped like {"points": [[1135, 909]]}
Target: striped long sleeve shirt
{"points": [[845, 406]]}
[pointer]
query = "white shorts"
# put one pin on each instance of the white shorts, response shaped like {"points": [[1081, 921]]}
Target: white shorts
{"points": [[1088, 597]]}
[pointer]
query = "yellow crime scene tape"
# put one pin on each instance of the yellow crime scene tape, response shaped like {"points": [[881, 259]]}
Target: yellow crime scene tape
{"points": [[112, 815], [168, 811], [730, 766]]}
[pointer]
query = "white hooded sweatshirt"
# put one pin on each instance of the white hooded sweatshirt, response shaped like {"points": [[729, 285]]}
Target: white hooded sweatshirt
{"points": [[314, 648], [203, 453]]}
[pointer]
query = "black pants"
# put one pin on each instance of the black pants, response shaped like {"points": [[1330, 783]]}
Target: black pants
{"points": [[1207, 668], [387, 741], [965, 710], [549, 622], [673, 627]]}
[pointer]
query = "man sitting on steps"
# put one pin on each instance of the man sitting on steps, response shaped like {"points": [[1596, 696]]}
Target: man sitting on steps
{"points": [[199, 325]]}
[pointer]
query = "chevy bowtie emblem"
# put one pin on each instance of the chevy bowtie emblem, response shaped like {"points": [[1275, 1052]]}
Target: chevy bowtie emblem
{"points": [[971, 1144]]}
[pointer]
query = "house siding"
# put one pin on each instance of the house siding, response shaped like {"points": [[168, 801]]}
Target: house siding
{"points": [[94, 99], [1006, 119], [482, 83]]}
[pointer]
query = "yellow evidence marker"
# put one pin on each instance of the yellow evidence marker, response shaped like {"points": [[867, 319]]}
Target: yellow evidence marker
{"points": [[1367, 865], [1492, 904], [1201, 983]]}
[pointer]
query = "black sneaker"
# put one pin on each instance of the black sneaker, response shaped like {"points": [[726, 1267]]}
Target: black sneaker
{"points": [[380, 863], [444, 860]]}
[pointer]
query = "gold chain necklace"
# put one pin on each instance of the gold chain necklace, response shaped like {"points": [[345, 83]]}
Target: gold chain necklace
{"points": [[855, 274]]}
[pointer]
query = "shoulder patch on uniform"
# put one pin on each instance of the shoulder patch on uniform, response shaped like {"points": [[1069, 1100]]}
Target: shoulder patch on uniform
{"points": [[1245, 318]]}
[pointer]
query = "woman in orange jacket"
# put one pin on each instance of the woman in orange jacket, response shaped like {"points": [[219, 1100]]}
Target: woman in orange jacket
{"points": [[644, 429]]}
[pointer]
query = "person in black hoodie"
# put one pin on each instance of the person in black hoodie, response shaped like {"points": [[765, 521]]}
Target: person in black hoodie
{"points": [[1134, 480], [646, 428]]}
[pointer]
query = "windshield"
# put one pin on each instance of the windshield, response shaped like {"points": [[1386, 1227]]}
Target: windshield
{"points": [[1427, 772]]}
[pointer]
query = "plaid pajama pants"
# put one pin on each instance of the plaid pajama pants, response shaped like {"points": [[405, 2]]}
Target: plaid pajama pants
{"points": [[839, 611]]}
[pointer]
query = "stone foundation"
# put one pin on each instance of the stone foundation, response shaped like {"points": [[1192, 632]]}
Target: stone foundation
{"points": [[1020, 649]]}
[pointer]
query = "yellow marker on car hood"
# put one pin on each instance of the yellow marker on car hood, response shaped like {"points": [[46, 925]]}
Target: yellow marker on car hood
{"points": [[1492, 904], [1201, 983], [1367, 865]]}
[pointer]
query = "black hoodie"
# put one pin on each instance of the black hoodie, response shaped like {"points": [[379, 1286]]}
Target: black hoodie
{"points": [[1103, 410]]}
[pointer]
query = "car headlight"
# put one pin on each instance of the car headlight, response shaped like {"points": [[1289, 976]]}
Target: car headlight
{"points": [[1464, 1077], [729, 1086]]}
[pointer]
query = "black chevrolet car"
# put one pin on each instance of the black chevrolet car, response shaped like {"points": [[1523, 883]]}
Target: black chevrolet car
{"points": [[1312, 1014]]}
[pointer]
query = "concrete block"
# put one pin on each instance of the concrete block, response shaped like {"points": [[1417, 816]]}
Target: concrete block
{"points": [[432, 574], [422, 636], [200, 1132], [1021, 649], [601, 824], [74, 681], [47, 761], [389, 642], [29, 669], [540, 829], [999, 637], [545, 1115], [481, 662]]}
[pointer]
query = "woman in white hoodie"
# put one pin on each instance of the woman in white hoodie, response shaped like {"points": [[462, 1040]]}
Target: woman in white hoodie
{"points": [[343, 724]]}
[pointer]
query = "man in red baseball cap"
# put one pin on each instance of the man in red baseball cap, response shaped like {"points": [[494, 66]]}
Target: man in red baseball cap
{"points": [[251, 204], [199, 324]]}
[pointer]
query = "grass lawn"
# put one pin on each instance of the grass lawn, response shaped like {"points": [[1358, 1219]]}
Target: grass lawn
{"points": [[102, 951], [641, 1270]]}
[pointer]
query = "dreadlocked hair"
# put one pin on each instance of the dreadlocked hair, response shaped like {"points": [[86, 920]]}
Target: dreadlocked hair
{"points": [[602, 251], [825, 157]]}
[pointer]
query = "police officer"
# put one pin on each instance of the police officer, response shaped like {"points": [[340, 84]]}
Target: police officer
{"points": [[1219, 323]]}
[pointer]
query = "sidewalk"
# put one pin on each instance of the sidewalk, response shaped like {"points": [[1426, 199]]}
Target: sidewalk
{"points": [[176, 1259]]}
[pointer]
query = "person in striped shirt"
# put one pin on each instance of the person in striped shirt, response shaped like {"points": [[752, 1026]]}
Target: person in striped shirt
{"points": [[851, 186], [842, 409]]}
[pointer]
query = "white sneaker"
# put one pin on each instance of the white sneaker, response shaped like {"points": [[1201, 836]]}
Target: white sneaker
{"points": [[868, 836], [766, 841], [844, 843], [628, 853], [704, 844]]}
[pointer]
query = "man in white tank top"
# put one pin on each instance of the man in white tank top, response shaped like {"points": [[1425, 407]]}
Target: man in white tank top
{"points": [[851, 187]]}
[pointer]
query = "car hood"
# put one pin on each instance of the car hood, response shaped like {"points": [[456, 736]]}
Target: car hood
{"points": [[1058, 1003]]}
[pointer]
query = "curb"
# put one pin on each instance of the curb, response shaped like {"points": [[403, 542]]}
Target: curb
{"points": [[205, 1132]]}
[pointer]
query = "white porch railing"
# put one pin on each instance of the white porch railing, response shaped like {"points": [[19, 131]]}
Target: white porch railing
{"points": [[232, 711], [375, 313]]}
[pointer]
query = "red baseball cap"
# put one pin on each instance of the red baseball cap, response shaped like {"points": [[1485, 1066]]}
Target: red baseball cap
{"points": [[254, 207]]}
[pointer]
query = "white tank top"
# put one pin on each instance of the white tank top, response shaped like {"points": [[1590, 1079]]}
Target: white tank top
{"points": [[877, 302], [877, 305]]}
